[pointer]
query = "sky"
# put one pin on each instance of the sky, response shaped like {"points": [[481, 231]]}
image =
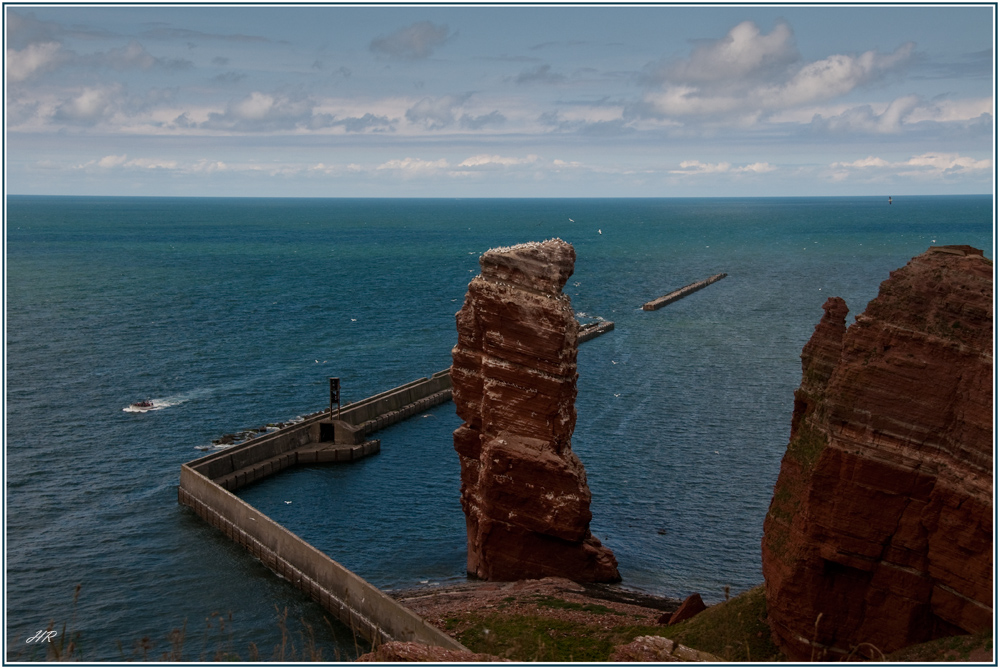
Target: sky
{"points": [[499, 101]]}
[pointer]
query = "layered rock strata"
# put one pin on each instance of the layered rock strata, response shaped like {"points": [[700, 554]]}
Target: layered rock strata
{"points": [[524, 491], [880, 530]]}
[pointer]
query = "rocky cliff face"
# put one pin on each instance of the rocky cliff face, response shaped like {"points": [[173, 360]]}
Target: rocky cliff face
{"points": [[880, 528], [524, 491]]}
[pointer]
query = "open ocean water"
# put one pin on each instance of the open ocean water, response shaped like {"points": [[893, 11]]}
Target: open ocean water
{"points": [[232, 313]]}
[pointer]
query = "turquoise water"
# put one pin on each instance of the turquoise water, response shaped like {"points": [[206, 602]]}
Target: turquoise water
{"points": [[232, 313]]}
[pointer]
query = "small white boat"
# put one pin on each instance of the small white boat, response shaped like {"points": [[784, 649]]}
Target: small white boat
{"points": [[141, 406]]}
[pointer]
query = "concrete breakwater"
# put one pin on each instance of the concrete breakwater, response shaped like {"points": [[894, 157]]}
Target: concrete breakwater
{"points": [[206, 485], [591, 330], [663, 301]]}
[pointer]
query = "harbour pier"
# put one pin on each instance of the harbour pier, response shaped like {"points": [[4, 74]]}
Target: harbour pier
{"points": [[207, 486], [592, 330]]}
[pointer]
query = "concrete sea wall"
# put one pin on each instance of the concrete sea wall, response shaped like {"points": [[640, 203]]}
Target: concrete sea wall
{"points": [[355, 602], [592, 330], [206, 485], [663, 301], [322, 438]]}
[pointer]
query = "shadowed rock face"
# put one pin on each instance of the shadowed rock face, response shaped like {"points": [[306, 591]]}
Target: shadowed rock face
{"points": [[524, 491], [880, 528]]}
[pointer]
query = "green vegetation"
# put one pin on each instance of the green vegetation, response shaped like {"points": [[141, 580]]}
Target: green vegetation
{"points": [[556, 603], [216, 644], [807, 446], [964, 648], [529, 638], [735, 630]]}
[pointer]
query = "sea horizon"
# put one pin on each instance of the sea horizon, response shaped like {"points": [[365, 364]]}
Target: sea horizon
{"points": [[503, 197]]}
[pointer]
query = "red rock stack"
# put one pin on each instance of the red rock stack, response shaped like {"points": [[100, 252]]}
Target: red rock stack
{"points": [[880, 532], [524, 491]]}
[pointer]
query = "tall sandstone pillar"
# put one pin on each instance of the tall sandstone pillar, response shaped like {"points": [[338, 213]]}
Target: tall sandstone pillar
{"points": [[524, 491], [880, 531]]}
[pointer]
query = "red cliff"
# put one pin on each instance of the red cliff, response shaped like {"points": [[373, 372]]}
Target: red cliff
{"points": [[524, 491], [880, 531]]}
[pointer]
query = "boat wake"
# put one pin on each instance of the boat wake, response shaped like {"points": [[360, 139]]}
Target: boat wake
{"points": [[161, 403], [148, 405]]}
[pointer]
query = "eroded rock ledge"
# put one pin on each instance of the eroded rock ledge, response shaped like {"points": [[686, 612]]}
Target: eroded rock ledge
{"points": [[880, 529], [524, 491]]}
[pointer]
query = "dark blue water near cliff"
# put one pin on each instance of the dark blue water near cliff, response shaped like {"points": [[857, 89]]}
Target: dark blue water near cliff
{"points": [[231, 313]]}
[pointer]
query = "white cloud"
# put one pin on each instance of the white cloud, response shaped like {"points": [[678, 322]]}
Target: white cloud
{"points": [[259, 111], [414, 165], [949, 162], [944, 111], [210, 166], [39, 57], [895, 116], [834, 76], [935, 165], [743, 51], [870, 161], [488, 161], [152, 164], [865, 119], [747, 74], [90, 105], [696, 167], [255, 107], [112, 161], [32, 60], [757, 168]]}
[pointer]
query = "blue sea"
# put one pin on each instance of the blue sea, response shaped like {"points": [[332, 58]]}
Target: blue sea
{"points": [[233, 313]]}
